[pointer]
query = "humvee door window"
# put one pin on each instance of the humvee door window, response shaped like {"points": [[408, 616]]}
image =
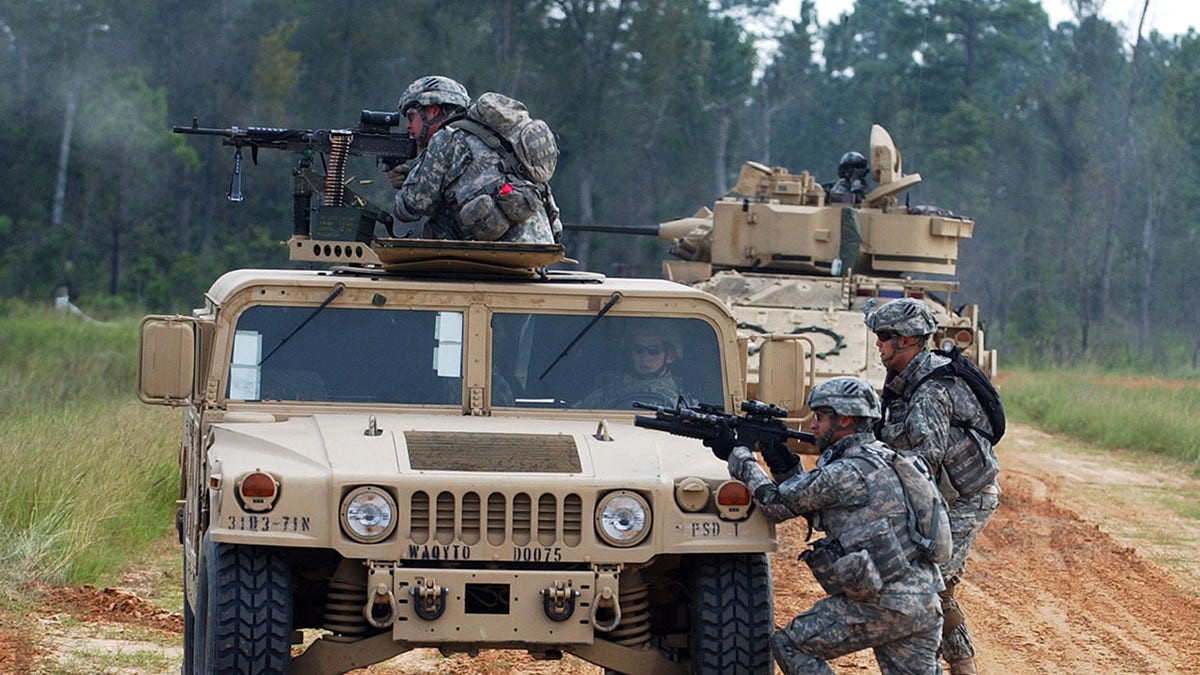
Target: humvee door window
{"points": [[617, 361], [243, 369], [348, 355]]}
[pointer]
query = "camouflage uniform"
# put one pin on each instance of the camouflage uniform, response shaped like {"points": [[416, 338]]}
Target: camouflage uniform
{"points": [[621, 389], [852, 490], [456, 168], [918, 421]]}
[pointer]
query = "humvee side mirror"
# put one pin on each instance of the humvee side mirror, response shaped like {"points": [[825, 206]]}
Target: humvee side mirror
{"points": [[166, 360], [783, 376]]}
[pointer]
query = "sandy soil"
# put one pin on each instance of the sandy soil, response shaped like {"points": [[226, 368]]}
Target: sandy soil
{"points": [[1091, 565]]}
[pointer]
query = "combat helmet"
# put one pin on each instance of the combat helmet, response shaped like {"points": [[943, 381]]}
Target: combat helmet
{"points": [[434, 90], [853, 166], [846, 395], [905, 316]]}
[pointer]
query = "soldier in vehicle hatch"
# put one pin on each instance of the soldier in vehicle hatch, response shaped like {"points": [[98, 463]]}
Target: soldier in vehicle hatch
{"points": [[453, 183], [852, 184], [882, 593], [649, 351], [942, 421]]}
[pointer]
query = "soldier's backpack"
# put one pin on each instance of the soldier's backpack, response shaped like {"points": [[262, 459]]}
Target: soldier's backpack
{"points": [[504, 124], [928, 514], [981, 387]]}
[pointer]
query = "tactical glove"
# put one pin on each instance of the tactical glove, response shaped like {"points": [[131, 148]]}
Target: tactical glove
{"points": [[779, 458], [723, 444], [398, 173]]}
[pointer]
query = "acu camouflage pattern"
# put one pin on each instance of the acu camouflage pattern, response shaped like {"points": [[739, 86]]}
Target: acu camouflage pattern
{"points": [[961, 459], [906, 316], [918, 420], [621, 389], [853, 491], [968, 517], [444, 187]]}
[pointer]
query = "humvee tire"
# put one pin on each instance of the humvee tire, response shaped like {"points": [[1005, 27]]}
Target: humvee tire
{"points": [[732, 614], [243, 617]]}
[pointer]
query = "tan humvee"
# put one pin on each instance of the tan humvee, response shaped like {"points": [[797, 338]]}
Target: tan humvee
{"points": [[393, 455]]}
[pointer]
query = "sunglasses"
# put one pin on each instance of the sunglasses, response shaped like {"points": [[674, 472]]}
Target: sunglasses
{"points": [[652, 350], [885, 335]]}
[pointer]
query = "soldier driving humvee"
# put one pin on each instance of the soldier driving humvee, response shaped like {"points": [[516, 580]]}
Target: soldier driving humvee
{"points": [[650, 349]]}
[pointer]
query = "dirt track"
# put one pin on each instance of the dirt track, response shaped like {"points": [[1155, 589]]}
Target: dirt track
{"points": [[1091, 565]]}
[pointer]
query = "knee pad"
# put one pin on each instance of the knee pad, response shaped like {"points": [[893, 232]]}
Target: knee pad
{"points": [[952, 616]]}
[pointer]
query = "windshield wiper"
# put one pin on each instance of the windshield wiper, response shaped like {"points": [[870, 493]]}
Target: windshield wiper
{"points": [[337, 290], [599, 315]]}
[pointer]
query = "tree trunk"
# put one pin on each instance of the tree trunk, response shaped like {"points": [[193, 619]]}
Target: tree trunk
{"points": [[721, 151], [64, 156], [583, 246]]}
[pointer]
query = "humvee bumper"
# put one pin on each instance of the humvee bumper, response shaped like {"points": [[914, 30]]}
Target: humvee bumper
{"points": [[494, 606]]}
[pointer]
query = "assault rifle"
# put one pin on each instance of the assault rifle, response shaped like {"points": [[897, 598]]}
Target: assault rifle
{"points": [[760, 427], [343, 215]]}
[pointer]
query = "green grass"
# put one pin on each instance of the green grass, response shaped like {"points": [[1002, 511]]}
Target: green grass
{"points": [[90, 472], [1144, 414]]}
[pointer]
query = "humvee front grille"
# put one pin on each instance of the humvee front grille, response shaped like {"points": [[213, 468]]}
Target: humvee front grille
{"points": [[518, 519]]}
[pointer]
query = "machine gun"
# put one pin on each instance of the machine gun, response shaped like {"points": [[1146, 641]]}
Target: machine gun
{"points": [[760, 427], [343, 214]]}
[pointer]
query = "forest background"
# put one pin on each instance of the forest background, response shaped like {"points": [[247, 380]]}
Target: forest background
{"points": [[1076, 151]]}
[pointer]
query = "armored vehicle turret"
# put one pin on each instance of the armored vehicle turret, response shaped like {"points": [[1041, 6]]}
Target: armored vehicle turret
{"points": [[790, 256]]}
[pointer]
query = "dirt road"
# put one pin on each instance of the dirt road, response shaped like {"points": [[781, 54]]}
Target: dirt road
{"points": [[1091, 565]]}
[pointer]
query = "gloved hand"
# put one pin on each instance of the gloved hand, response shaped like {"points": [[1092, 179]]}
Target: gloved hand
{"points": [[723, 444], [397, 174], [779, 458]]}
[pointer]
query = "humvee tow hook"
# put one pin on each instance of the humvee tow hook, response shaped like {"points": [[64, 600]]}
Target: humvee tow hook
{"points": [[382, 596], [430, 599], [559, 601], [606, 604]]}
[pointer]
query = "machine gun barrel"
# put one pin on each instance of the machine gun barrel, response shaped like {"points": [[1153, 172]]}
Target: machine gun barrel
{"points": [[371, 138], [645, 230]]}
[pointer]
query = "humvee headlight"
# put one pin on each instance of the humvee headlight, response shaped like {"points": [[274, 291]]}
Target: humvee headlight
{"points": [[623, 518], [368, 514]]}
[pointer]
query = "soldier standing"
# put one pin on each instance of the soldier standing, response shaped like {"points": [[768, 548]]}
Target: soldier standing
{"points": [[939, 419], [452, 170], [882, 594]]}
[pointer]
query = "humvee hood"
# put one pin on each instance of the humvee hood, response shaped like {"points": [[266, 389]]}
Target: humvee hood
{"points": [[347, 444]]}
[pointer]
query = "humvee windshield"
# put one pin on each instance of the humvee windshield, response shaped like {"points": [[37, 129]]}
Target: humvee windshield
{"points": [[347, 355], [378, 355], [617, 361]]}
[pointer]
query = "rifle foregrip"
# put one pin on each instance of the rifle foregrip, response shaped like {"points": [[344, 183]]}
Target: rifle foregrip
{"points": [[676, 428]]}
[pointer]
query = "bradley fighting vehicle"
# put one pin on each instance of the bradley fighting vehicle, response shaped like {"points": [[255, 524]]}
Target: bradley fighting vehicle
{"points": [[792, 257], [402, 449]]}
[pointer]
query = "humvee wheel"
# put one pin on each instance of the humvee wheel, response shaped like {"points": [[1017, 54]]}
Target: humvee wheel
{"points": [[732, 614], [243, 613]]}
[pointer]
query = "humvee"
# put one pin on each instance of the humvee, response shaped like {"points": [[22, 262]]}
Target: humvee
{"points": [[389, 453]]}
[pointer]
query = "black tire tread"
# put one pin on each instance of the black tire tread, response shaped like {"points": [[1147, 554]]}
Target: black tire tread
{"points": [[732, 614], [250, 616]]}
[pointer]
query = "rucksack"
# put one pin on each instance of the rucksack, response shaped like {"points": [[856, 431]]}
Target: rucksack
{"points": [[980, 386], [504, 124], [928, 514]]}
